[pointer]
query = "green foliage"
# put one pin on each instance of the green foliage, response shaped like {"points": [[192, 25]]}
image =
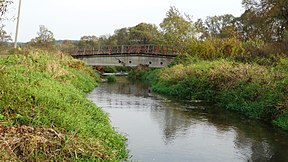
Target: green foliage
{"points": [[89, 41], [66, 45], [221, 26], [109, 69], [184, 59], [282, 121], [251, 99], [138, 72], [144, 34], [46, 90], [123, 68], [45, 38], [215, 48], [111, 78], [271, 13], [177, 30], [253, 90]]}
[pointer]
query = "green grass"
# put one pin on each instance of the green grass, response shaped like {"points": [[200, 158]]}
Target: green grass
{"points": [[47, 91], [256, 91]]}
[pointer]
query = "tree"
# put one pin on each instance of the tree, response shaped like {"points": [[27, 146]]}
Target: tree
{"points": [[265, 19], [221, 26], [144, 33], [177, 29], [107, 40], [122, 36], [45, 38], [90, 41], [67, 44]]}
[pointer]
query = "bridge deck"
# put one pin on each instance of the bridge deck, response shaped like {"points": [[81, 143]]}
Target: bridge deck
{"points": [[151, 50]]}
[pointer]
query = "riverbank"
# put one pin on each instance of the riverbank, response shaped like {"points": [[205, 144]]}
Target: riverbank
{"points": [[44, 113], [165, 130], [256, 91]]}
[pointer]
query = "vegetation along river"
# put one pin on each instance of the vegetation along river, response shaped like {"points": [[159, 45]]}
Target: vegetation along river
{"points": [[161, 129]]}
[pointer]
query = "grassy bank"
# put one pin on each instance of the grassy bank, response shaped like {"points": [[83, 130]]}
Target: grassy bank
{"points": [[257, 91], [45, 116]]}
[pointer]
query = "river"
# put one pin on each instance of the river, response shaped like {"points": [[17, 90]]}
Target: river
{"points": [[166, 130]]}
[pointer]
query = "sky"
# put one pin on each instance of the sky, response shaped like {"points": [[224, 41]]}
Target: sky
{"points": [[72, 19]]}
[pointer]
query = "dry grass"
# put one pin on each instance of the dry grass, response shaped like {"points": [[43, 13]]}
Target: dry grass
{"points": [[23, 143]]}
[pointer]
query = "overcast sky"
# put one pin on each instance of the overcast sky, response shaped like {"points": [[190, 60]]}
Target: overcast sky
{"points": [[71, 19]]}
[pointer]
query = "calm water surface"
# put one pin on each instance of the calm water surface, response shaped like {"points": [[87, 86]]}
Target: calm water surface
{"points": [[163, 130]]}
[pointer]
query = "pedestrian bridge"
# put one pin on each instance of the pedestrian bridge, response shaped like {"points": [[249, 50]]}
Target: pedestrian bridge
{"points": [[126, 55]]}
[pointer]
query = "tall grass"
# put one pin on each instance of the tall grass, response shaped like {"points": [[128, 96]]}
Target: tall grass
{"points": [[257, 91], [45, 92]]}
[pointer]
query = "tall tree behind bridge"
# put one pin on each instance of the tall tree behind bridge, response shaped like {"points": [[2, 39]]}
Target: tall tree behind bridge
{"points": [[178, 30], [45, 38], [89, 40], [122, 36], [265, 19], [221, 26], [144, 33]]}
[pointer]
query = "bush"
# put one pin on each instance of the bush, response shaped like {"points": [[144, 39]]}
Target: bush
{"points": [[109, 69], [111, 78]]}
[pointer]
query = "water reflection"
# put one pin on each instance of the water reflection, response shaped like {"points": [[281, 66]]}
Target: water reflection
{"points": [[161, 129]]}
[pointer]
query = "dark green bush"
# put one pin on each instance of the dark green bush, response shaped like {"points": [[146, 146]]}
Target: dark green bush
{"points": [[111, 78]]}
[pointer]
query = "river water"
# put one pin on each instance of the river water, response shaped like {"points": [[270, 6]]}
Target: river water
{"points": [[164, 130]]}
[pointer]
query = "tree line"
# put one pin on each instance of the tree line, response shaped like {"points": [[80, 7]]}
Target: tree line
{"points": [[260, 31]]}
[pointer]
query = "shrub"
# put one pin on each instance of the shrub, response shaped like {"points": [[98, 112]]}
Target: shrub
{"points": [[111, 78]]}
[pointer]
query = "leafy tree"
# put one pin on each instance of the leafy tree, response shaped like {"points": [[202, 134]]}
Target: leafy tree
{"points": [[272, 13], [90, 40], [67, 44], [177, 29], [45, 38], [221, 26], [144, 33], [122, 36], [107, 40]]}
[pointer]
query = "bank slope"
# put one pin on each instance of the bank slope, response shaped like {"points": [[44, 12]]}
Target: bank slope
{"points": [[44, 113], [256, 91]]}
